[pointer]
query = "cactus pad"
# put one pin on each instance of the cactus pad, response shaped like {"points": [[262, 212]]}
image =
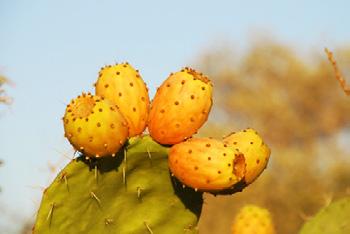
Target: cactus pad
{"points": [[130, 193], [333, 219]]}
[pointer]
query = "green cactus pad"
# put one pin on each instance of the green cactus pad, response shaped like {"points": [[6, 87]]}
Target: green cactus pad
{"points": [[333, 219], [132, 194]]}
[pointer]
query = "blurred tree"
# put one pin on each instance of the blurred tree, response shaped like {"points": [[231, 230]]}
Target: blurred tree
{"points": [[298, 108], [3, 98]]}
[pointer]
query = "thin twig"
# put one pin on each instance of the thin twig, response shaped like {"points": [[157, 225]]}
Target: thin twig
{"points": [[337, 72]]}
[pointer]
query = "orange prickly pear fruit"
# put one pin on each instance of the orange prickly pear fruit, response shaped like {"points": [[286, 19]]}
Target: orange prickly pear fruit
{"points": [[206, 164], [94, 127], [252, 219], [256, 152], [123, 85], [180, 107]]}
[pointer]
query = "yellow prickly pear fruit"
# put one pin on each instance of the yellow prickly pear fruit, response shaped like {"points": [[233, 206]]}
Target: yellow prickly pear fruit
{"points": [[206, 164], [180, 107], [123, 85], [256, 152], [252, 219], [94, 126]]}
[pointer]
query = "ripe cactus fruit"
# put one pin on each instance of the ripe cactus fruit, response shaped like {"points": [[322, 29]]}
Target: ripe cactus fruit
{"points": [[206, 164], [94, 127], [123, 85], [180, 107], [256, 152], [120, 195], [333, 218], [252, 219]]}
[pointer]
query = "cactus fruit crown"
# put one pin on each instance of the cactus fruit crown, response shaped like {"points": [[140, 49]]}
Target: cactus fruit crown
{"points": [[252, 219], [130, 193], [197, 75]]}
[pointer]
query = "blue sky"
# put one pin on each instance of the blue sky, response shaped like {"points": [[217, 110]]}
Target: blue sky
{"points": [[52, 51]]}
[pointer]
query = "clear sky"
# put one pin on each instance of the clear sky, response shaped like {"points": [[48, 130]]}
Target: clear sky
{"points": [[52, 51]]}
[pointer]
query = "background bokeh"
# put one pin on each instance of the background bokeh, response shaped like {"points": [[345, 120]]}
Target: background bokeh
{"points": [[266, 62]]}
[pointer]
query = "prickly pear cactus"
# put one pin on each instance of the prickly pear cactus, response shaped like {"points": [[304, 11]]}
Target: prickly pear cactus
{"points": [[132, 193], [333, 219], [253, 219]]}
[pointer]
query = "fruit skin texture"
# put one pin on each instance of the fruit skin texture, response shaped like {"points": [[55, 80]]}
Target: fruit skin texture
{"points": [[123, 85], [94, 126], [252, 219], [256, 152], [180, 107], [206, 164], [83, 199], [332, 219]]}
